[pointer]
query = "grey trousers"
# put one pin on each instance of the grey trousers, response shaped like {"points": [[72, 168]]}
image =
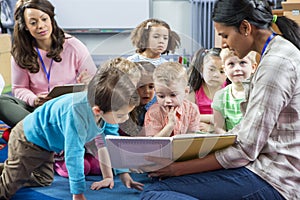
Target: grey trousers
{"points": [[27, 165]]}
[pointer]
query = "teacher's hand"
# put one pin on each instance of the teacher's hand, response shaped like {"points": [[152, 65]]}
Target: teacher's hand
{"points": [[161, 168]]}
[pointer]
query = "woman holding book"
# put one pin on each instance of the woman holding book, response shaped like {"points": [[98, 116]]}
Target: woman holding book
{"points": [[43, 56], [264, 162]]}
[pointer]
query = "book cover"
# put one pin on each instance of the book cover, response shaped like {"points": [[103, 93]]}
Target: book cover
{"points": [[190, 146], [129, 152]]}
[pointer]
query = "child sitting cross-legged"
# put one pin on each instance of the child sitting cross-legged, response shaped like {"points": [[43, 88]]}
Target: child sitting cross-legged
{"points": [[226, 103], [134, 126], [173, 114]]}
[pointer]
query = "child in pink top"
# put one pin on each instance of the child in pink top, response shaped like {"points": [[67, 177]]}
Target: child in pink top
{"points": [[172, 114], [206, 76]]}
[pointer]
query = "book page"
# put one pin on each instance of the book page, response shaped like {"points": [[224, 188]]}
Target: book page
{"points": [[130, 152]]}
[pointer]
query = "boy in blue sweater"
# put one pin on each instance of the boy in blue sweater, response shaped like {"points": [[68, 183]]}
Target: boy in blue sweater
{"points": [[66, 123]]}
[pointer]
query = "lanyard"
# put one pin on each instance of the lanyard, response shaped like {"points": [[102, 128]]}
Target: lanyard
{"points": [[267, 43], [44, 67]]}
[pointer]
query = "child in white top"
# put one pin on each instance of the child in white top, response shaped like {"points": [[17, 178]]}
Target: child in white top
{"points": [[152, 38]]}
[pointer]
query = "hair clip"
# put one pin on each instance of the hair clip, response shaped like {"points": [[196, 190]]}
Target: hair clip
{"points": [[148, 25]]}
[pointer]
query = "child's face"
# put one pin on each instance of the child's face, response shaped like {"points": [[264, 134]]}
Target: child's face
{"points": [[213, 73], [146, 93], [158, 39], [237, 70], [116, 117], [172, 95]]}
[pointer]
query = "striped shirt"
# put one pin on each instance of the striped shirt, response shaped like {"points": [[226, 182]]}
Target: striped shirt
{"points": [[269, 133]]}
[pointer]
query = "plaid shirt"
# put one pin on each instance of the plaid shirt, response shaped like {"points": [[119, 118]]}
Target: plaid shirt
{"points": [[269, 134]]}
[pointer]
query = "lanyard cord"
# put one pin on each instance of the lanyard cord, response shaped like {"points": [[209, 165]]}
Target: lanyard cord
{"points": [[44, 67], [267, 43]]}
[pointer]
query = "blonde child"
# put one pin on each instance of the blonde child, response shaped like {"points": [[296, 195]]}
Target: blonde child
{"points": [[206, 77], [226, 103], [145, 89], [153, 38], [66, 123], [173, 114]]}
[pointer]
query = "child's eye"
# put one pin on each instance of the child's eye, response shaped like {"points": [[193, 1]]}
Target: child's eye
{"points": [[151, 87], [242, 63], [173, 95], [161, 96], [230, 64]]}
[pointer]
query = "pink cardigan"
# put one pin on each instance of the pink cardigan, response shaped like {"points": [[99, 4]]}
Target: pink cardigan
{"points": [[75, 58]]}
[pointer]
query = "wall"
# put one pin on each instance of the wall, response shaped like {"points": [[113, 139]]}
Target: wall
{"points": [[175, 12]]}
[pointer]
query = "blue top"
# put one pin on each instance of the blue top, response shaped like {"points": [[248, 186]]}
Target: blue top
{"points": [[68, 116]]}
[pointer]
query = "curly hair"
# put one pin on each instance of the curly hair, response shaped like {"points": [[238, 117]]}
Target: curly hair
{"points": [[140, 36], [23, 48]]}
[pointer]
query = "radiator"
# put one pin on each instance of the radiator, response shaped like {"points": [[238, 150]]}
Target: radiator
{"points": [[202, 24]]}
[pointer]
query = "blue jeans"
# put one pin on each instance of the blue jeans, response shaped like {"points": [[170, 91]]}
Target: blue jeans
{"points": [[223, 184]]}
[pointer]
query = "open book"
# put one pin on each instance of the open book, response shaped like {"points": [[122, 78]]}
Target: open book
{"points": [[129, 152], [64, 89]]}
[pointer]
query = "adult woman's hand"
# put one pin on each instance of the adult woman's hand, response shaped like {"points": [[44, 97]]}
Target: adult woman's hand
{"points": [[161, 167], [41, 99]]}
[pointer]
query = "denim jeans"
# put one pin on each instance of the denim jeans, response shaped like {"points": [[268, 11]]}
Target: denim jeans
{"points": [[223, 184]]}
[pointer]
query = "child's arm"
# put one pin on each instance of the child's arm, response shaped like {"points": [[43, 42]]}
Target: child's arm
{"points": [[105, 166], [129, 182], [219, 122], [167, 130], [78, 197]]}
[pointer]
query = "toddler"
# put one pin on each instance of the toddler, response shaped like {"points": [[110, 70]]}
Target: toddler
{"points": [[226, 102], [153, 38], [145, 89], [206, 76], [172, 114], [66, 123]]}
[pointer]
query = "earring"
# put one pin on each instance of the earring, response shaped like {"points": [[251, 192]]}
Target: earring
{"points": [[246, 34]]}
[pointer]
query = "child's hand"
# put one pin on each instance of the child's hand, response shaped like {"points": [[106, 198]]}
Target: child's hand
{"points": [[78, 197], [107, 182], [171, 115], [129, 183], [205, 127]]}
